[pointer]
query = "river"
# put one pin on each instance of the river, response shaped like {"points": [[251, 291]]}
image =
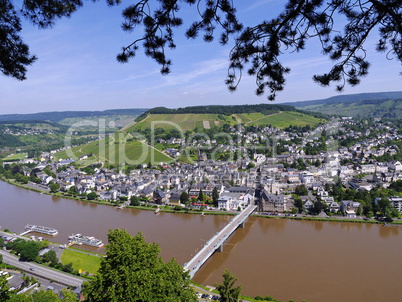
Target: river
{"points": [[316, 261]]}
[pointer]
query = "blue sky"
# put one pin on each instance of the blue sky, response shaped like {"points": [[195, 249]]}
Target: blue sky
{"points": [[77, 70]]}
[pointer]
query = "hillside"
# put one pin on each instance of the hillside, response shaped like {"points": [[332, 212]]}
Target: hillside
{"points": [[349, 98], [58, 116], [33, 137], [205, 117], [382, 105], [115, 150]]}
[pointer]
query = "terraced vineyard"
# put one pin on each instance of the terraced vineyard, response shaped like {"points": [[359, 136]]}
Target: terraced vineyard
{"points": [[192, 122], [185, 122], [114, 152]]}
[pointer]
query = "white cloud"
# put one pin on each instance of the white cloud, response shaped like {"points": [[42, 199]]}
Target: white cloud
{"points": [[258, 4]]}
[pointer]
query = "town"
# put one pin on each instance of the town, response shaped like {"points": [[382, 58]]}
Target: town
{"points": [[347, 167]]}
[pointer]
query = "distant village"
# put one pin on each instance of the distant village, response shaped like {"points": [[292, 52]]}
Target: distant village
{"points": [[269, 178]]}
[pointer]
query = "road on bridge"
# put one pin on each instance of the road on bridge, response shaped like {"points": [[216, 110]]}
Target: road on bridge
{"points": [[215, 242], [41, 271]]}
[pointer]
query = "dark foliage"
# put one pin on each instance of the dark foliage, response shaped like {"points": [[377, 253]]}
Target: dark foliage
{"points": [[257, 48], [224, 110]]}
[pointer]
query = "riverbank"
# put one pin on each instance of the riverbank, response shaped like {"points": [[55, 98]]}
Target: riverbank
{"points": [[167, 209], [151, 207], [333, 219]]}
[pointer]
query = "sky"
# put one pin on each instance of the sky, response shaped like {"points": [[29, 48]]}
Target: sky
{"points": [[77, 69]]}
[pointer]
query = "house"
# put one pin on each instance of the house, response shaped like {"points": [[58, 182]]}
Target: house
{"points": [[159, 196], [350, 208], [15, 282], [396, 202], [174, 198], [272, 202], [367, 169], [108, 195], [358, 184], [225, 203], [308, 206], [334, 207], [395, 165]]}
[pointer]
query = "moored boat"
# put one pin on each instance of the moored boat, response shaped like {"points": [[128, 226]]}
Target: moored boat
{"points": [[41, 229], [87, 240]]}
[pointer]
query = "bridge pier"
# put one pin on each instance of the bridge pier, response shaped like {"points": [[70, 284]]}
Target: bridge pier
{"points": [[220, 248], [241, 225]]}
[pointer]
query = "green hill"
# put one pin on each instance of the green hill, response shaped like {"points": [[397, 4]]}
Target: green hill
{"points": [[58, 116], [382, 105], [116, 149], [367, 108], [205, 117]]}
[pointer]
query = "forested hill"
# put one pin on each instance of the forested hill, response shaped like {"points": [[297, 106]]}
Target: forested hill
{"points": [[350, 98], [371, 108], [60, 115], [265, 109]]}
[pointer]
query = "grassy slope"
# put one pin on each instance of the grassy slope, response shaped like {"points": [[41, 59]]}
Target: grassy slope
{"points": [[285, 119], [192, 121], [119, 150], [179, 121], [18, 156], [132, 152]]}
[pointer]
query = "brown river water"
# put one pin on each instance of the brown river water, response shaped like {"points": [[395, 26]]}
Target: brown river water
{"points": [[316, 261]]}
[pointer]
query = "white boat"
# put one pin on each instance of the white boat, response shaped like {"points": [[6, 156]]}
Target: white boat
{"points": [[41, 229], [157, 210], [87, 240]]}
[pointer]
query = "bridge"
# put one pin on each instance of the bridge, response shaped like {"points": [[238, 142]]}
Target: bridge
{"points": [[216, 242]]}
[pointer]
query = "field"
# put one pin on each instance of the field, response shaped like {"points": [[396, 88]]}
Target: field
{"points": [[192, 121], [180, 121], [18, 156], [121, 148], [110, 121], [81, 260], [249, 117], [115, 151], [285, 119]]}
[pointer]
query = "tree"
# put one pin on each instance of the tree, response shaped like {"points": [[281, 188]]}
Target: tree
{"points": [[92, 196], [257, 47], [4, 289], [201, 196], [318, 207], [29, 251], [54, 187], [298, 204], [44, 296], [301, 190], [68, 296], [134, 201], [50, 257], [228, 292], [133, 271], [384, 204], [184, 198], [215, 196]]}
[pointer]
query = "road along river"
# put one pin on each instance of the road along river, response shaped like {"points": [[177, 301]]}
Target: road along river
{"points": [[316, 261]]}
